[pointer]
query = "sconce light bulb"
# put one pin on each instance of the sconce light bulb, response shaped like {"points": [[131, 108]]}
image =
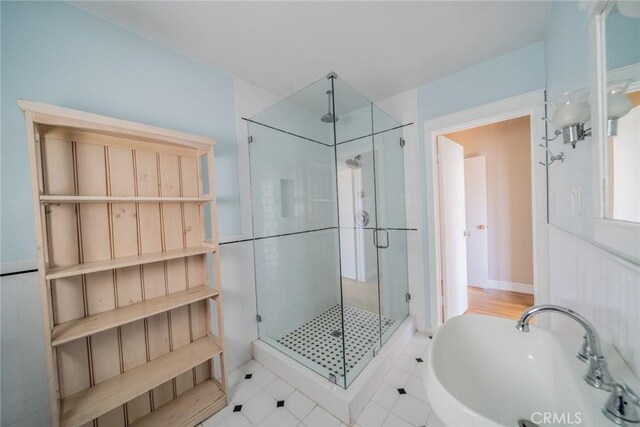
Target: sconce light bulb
{"points": [[571, 108], [571, 113], [618, 103], [629, 8]]}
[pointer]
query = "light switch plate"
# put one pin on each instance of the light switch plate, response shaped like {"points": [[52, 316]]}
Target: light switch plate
{"points": [[576, 200]]}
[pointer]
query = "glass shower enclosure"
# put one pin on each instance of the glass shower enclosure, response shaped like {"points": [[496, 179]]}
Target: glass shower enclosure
{"points": [[329, 224]]}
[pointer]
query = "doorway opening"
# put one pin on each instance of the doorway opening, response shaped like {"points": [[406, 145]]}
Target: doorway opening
{"points": [[486, 219], [357, 217]]}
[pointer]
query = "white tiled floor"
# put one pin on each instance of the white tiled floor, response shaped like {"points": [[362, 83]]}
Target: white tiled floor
{"points": [[399, 401]]}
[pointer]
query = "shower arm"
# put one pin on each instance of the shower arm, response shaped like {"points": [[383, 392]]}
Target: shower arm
{"points": [[328, 102]]}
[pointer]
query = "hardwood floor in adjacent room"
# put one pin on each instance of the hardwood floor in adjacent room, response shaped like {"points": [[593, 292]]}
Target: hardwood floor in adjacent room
{"points": [[499, 303]]}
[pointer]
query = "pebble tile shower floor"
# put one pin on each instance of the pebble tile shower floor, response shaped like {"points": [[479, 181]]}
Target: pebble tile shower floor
{"points": [[320, 339]]}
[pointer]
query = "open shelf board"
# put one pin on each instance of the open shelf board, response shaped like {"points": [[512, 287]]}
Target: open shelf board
{"points": [[85, 326], [90, 403], [111, 264]]}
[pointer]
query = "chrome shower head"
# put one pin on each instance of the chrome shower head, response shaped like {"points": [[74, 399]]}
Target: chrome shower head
{"points": [[355, 162], [329, 117]]}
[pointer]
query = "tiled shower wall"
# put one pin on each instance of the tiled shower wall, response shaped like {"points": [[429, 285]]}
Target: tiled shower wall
{"points": [[293, 191], [238, 282], [292, 183], [298, 279]]}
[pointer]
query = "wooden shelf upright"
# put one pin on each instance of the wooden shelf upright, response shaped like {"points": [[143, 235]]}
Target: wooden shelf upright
{"points": [[129, 270]]}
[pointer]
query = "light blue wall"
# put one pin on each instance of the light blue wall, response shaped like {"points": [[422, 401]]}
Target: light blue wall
{"points": [[622, 40], [515, 73], [567, 69], [55, 53], [566, 49]]}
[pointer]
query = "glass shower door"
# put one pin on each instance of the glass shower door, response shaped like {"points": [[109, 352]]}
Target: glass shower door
{"points": [[296, 238], [329, 228], [391, 233], [356, 182]]}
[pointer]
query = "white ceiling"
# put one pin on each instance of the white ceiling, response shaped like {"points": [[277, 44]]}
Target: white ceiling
{"points": [[380, 48]]}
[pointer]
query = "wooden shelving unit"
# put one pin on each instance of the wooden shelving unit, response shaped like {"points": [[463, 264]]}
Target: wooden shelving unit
{"points": [[129, 270], [86, 405], [112, 264], [114, 199], [186, 409], [91, 325]]}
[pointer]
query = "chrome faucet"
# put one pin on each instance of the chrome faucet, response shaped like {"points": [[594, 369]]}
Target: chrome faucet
{"points": [[598, 375], [621, 405]]}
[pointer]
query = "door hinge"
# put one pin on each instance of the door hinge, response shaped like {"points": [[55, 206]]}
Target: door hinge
{"points": [[333, 378], [442, 288], [258, 318], [376, 350], [402, 142], [250, 139], [407, 297]]}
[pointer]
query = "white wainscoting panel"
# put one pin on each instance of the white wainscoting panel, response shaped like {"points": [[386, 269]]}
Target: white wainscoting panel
{"points": [[599, 285], [238, 286], [25, 395]]}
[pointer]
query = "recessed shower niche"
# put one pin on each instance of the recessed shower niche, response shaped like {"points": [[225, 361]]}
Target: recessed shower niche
{"points": [[329, 223]]}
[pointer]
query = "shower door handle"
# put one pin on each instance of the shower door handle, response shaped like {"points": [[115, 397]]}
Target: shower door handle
{"points": [[375, 238]]}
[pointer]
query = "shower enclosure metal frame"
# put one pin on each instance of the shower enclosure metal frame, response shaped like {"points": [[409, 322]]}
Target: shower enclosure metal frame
{"points": [[329, 227]]}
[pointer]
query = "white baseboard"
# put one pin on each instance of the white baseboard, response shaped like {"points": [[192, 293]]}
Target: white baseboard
{"points": [[510, 286]]}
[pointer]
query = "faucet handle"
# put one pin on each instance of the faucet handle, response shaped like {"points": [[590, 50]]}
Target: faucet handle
{"points": [[585, 351], [621, 405], [598, 374]]}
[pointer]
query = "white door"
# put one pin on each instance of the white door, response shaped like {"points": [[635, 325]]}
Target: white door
{"points": [[452, 226], [475, 186]]}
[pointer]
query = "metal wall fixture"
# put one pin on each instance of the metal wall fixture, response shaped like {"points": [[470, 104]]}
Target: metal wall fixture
{"points": [[571, 112], [362, 218], [570, 134], [552, 157], [375, 238]]}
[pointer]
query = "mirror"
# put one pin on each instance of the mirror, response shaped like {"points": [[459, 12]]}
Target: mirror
{"points": [[594, 194], [621, 109]]}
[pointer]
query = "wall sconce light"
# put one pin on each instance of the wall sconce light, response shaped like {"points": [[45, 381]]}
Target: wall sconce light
{"points": [[571, 113], [618, 104]]}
